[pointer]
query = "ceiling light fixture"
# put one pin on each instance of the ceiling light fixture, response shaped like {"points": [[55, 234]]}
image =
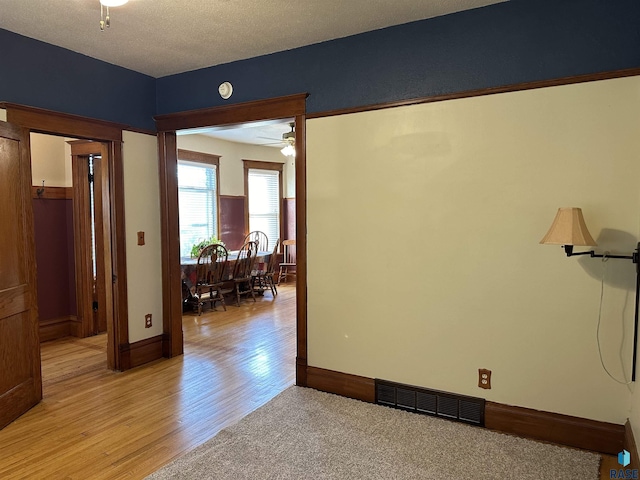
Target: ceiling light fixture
{"points": [[289, 151], [290, 139], [105, 20]]}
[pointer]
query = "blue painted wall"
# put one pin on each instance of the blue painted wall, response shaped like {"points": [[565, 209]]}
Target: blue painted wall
{"points": [[508, 43], [41, 75], [513, 42]]}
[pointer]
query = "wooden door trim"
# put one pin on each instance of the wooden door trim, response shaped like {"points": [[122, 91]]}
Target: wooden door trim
{"points": [[50, 122], [301, 248], [293, 106], [82, 252], [272, 108], [172, 338], [81, 150], [47, 121], [103, 248], [120, 302]]}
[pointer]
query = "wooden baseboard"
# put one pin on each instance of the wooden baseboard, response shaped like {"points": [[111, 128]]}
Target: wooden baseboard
{"points": [[301, 372], [55, 328], [145, 351], [555, 428], [352, 386], [631, 447], [166, 347], [566, 430]]}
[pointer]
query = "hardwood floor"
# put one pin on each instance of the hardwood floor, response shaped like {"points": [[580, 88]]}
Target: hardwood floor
{"points": [[608, 463], [94, 423]]}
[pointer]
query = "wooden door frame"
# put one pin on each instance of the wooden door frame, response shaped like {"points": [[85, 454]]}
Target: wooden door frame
{"points": [[39, 120], [292, 106], [81, 150]]}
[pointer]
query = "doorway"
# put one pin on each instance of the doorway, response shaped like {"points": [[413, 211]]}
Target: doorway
{"points": [[70, 232], [110, 198], [279, 108]]}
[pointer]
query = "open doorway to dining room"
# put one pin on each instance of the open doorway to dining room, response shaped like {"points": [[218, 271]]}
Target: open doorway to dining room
{"points": [[236, 183], [233, 181], [271, 332]]}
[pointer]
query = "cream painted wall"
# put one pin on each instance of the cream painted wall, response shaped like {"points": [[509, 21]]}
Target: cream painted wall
{"points": [[231, 156], [50, 161], [634, 417], [437, 211], [142, 213], [3, 115]]}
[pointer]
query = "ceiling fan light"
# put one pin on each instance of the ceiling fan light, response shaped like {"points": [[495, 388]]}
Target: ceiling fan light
{"points": [[289, 151], [113, 3]]}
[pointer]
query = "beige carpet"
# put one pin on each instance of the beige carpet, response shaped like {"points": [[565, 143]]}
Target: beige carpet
{"points": [[306, 434]]}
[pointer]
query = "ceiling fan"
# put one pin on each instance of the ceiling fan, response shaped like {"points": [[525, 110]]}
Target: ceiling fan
{"points": [[289, 141]]}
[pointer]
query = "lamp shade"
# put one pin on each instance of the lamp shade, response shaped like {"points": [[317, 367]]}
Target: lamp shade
{"points": [[568, 228]]}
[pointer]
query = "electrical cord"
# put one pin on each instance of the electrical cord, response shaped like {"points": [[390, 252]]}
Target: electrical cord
{"points": [[604, 270]]}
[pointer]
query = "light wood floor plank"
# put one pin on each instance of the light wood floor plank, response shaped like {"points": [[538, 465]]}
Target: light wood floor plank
{"points": [[93, 423]]}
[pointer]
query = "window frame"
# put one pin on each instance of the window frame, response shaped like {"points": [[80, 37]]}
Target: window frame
{"points": [[262, 165], [207, 159]]}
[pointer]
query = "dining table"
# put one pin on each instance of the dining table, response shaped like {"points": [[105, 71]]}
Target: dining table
{"points": [[188, 271]]}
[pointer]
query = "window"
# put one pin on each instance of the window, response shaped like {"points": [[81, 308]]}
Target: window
{"points": [[263, 184], [198, 196]]}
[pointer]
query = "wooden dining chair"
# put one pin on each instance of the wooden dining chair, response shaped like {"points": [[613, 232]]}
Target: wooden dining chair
{"points": [[260, 238], [210, 268], [288, 262], [242, 269], [264, 279]]}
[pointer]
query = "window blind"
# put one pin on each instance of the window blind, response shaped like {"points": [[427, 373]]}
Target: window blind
{"points": [[264, 203], [197, 203]]}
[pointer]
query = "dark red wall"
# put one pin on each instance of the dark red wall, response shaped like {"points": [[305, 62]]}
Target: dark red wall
{"points": [[289, 219], [232, 218], [53, 224]]}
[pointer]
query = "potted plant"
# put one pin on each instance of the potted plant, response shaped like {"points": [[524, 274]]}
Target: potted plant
{"points": [[197, 247]]}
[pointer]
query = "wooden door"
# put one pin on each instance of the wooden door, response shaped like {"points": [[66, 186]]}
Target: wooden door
{"points": [[20, 378], [94, 287], [104, 272]]}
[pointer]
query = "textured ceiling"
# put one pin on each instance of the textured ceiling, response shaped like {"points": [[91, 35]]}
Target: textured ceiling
{"points": [[163, 37]]}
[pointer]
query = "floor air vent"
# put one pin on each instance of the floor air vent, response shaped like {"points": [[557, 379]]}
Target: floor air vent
{"points": [[431, 402]]}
